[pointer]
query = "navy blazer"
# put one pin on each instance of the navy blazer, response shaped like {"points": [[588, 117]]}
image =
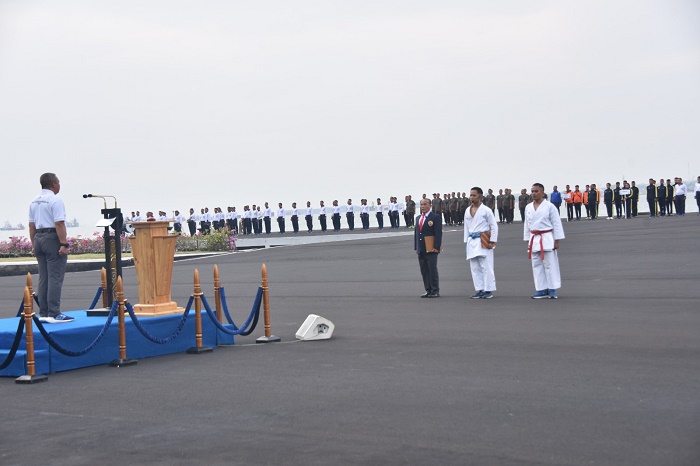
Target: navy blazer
{"points": [[432, 226]]}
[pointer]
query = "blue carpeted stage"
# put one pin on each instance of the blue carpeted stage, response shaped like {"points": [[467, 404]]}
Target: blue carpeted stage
{"points": [[79, 334]]}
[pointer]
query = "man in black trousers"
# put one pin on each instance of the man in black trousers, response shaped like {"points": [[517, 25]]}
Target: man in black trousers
{"points": [[428, 229]]}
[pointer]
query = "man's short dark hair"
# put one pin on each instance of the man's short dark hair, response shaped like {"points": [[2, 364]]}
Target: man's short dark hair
{"points": [[478, 190], [540, 185], [47, 179]]}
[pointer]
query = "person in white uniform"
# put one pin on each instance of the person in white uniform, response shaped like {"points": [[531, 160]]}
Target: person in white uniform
{"points": [[479, 219], [542, 230]]}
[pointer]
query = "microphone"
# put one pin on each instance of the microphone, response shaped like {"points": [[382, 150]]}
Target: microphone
{"points": [[103, 197]]}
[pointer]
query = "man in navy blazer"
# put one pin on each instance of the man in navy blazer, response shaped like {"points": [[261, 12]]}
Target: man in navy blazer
{"points": [[428, 224]]}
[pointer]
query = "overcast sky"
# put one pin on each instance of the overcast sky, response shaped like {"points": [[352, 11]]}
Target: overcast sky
{"points": [[172, 104]]}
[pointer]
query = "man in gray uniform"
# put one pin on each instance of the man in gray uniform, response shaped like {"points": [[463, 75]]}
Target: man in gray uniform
{"points": [[47, 232]]}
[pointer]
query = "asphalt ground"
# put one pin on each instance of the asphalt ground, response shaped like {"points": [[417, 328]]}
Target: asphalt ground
{"points": [[609, 374]]}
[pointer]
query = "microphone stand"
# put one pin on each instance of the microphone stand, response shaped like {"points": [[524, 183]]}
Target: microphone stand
{"points": [[113, 251]]}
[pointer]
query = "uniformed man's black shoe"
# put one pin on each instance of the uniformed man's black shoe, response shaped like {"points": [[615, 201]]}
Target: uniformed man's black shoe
{"points": [[434, 295], [426, 295]]}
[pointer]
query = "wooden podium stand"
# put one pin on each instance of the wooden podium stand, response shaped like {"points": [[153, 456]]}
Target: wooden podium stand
{"points": [[154, 253]]}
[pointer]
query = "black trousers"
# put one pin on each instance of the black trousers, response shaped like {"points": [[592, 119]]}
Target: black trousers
{"points": [[618, 209], [280, 224], [192, 225], [309, 223], [365, 221], [336, 222], [295, 223], [380, 220], [429, 271], [593, 211], [652, 207], [680, 205], [350, 217], [322, 221], [570, 211], [268, 225], [577, 209], [608, 206]]}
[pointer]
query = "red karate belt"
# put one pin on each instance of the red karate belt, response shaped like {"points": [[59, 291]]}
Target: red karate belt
{"points": [[536, 233]]}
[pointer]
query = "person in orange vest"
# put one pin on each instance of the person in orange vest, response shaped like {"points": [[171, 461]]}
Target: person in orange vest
{"points": [[585, 202], [568, 197], [577, 197]]}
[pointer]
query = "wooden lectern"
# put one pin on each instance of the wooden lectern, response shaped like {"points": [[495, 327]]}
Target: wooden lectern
{"points": [[154, 253]]}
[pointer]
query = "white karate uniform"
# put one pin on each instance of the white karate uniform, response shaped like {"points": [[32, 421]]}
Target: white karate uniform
{"points": [[544, 219], [480, 259]]}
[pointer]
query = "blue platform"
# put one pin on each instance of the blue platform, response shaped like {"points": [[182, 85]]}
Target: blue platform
{"points": [[79, 334]]}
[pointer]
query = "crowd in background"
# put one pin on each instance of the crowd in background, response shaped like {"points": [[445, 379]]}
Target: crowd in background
{"points": [[621, 201]]}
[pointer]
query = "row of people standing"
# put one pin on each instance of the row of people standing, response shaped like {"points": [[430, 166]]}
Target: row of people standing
{"points": [[258, 219]]}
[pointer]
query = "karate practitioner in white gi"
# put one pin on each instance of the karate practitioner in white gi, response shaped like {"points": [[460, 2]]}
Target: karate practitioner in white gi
{"points": [[479, 219], [542, 230]]}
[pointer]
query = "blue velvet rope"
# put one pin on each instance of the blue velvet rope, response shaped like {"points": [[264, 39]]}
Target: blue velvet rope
{"points": [[244, 330], [15, 345], [160, 341], [97, 296], [90, 347], [21, 306]]}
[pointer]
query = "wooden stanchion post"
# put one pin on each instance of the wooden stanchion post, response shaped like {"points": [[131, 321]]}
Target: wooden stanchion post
{"points": [[217, 295], [122, 360], [31, 376], [105, 297], [199, 349], [268, 338]]}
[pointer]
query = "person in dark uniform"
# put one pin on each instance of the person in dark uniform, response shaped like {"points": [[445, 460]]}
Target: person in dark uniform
{"points": [[627, 198], [523, 201], [410, 211], [608, 198], [669, 197], [635, 199], [593, 202], [428, 225], [661, 198], [617, 198], [651, 197], [490, 200]]}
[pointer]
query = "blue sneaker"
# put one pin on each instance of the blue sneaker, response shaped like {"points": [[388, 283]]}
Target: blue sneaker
{"points": [[59, 319], [542, 294], [487, 295], [553, 294], [478, 294]]}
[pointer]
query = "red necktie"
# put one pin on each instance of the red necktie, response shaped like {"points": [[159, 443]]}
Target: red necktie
{"points": [[420, 224]]}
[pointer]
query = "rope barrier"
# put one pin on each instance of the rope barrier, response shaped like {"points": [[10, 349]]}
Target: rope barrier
{"points": [[21, 306], [15, 345], [160, 341], [256, 307], [97, 297], [90, 347], [244, 330]]}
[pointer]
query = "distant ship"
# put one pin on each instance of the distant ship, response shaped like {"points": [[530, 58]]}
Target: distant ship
{"points": [[9, 226], [73, 223]]}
